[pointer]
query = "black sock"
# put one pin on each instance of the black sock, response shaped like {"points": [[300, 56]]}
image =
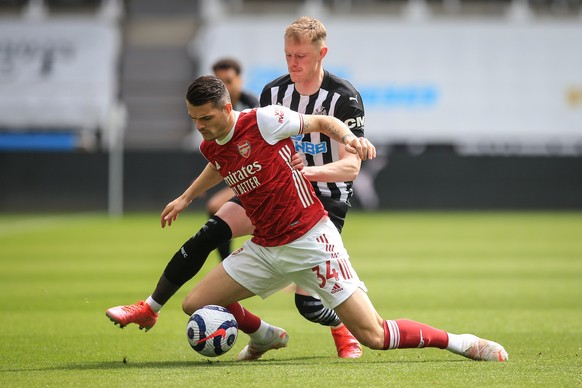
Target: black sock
{"points": [[164, 290], [190, 258], [313, 310], [224, 250]]}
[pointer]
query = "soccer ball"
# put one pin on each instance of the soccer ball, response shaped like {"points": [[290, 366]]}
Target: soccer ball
{"points": [[212, 331]]}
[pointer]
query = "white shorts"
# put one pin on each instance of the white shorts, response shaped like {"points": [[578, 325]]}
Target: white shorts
{"points": [[317, 262]]}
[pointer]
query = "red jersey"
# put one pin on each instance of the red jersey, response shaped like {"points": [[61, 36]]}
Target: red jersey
{"points": [[255, 161]]}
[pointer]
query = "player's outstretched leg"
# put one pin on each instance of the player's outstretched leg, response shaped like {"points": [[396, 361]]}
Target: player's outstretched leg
{"points": [[404, 333], [359, 315]]}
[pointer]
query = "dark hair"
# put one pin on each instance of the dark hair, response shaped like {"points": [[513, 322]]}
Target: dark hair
{"points": [[227, 63], [205, 89]]}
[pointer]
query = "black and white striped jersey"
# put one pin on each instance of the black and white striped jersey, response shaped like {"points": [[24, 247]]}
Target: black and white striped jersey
{"points": [[336, 97]]}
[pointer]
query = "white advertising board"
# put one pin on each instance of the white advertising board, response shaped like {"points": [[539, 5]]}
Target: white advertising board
{"points": [[57, 74], [483, 85]]}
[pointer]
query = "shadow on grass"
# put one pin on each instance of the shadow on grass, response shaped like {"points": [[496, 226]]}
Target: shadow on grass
{"points": [[207, 363]]}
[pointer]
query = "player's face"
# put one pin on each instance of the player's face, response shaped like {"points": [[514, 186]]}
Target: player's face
{"points": [[212, 122], [303, 59]]}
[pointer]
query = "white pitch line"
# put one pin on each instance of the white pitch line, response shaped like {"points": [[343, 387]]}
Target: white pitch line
{"points": [[35, 224]]}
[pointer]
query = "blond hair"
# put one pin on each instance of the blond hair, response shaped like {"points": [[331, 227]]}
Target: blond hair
{"points": [[308, 28]]}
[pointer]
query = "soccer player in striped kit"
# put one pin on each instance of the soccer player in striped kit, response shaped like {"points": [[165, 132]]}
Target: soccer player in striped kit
{"points": [[310, 89]]}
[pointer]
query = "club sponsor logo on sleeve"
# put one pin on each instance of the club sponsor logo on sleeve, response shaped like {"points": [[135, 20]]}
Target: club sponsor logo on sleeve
{"points": [[280, 114]]}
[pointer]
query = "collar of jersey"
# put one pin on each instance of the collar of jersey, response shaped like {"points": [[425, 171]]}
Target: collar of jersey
{"points": [[227, 138]]}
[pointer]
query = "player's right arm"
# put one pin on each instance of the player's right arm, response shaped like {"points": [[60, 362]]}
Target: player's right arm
{"points": [[207, 179], [349, 110], [340, 132]]}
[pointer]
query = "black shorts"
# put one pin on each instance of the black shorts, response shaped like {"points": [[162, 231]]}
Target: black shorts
{"points": [[336, 210], [235, 199]]}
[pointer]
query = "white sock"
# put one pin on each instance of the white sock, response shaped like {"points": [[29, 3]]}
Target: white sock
{"points": [[155, 306], [261, 333], [458, 342]]}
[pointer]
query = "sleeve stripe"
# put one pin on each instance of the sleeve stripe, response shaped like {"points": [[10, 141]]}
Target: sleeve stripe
{"points": [[302, 189], [300, 182]]}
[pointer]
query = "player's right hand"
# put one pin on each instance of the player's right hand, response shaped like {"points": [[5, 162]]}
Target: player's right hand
{"points": [[171, 211], [362, 147]]}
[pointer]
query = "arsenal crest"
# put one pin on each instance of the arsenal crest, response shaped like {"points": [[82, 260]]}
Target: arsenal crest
{"points": [[244, 148]]}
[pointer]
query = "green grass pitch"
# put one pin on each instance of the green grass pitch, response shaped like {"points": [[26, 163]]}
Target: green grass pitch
{"points": [[515, 278]]}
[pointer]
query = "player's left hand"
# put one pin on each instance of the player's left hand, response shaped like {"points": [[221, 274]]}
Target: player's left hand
{"points": [[363, 147]]}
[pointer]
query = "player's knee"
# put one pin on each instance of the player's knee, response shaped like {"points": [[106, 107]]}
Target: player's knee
{"points": [[234, 216], [313, 310], [214, 204], [213, 233]]}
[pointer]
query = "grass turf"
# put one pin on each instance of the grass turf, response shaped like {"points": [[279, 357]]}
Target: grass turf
{"points": [[515, 278]]}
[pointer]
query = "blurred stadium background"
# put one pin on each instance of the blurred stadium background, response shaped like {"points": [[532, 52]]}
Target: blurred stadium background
{"points": [[472, 104]]}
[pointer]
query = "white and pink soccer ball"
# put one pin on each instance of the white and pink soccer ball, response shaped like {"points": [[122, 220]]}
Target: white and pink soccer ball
{"points": [[212, 331]]}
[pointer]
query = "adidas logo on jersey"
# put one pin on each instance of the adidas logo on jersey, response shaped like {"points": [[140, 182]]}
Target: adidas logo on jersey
{"points": [[336, 288]]}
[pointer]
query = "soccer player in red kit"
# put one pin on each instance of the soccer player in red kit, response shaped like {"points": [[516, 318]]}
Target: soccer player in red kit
{"points": [[310, 89], [294, 240]]}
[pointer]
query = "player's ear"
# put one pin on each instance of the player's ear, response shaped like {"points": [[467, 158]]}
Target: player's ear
{"points": [[322, 52], [228, 107]]}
